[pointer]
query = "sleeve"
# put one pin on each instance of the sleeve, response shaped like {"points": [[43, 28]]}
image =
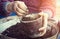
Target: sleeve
{"points": [[3, 5], [48, 6]]}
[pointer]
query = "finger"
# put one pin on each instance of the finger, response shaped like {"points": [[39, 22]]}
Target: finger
{"points": [[18, 13], [20, 10], [23, 6], [15, 9], [45, 21], [43, 28]]}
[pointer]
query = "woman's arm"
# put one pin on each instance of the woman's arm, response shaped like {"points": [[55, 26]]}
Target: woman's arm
{"points": [[3, 4], [16, 6]]}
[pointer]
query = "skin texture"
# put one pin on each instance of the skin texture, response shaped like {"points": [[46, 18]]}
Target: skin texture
{"points": [[18, 6]]}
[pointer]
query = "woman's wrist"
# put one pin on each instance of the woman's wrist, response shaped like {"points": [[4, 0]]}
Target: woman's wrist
{"points": [[9, 7], [4, 9], [48, 12]]}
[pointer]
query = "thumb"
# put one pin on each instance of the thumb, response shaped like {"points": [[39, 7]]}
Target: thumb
{"points": [[23, 6]]}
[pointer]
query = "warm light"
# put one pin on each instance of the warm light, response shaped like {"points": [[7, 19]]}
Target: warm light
{"points": [[58, 2], [57, 16]]}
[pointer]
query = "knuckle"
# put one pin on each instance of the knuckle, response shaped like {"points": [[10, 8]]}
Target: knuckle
{"points": [[21, 2], [17, 1]]}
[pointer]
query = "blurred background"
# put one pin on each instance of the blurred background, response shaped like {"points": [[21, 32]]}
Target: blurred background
{"points": [[57, 9]]}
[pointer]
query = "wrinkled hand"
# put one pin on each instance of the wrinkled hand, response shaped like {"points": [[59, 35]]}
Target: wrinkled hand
{"points": [[17, 6]]}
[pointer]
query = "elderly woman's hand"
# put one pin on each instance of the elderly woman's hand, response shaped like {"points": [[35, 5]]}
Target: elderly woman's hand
{"points": [[17, 6]]}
